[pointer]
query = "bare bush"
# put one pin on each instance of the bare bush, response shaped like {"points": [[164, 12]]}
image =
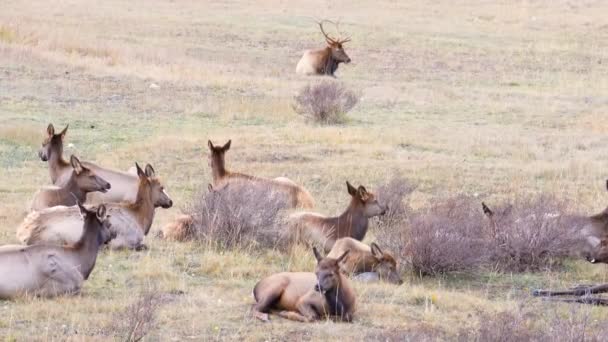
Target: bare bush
{"points": [[394, 194], [446, 237], [139, 318], [325, 102], [453, 235], [239, 215], [532, 235], [526, 324]]}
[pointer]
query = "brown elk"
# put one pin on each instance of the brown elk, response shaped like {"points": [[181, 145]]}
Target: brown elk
{"points": [[82, 181], [324, 231], [363, 258], [130, 221], [304, 296], [295, 195], [49, 270], [124, 185], [324, 61]]}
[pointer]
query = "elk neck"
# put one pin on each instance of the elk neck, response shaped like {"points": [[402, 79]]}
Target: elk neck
{"points": [[87, 247], [352, 222], [143, 207]]}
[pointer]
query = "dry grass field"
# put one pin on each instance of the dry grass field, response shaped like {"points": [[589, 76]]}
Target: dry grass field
{"points": [[496, 99]]}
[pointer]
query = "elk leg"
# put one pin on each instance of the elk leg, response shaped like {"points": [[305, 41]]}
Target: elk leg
{"points": [[294, 316], [578, 291], [267, 301]]}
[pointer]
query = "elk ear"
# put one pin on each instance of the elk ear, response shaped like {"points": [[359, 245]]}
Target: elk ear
{"points": [[210, 144], [351, 189], [362, 192], [76, 164], [65, 130], [101, 212], [226, 146], [486, 210], [50, 130], [376, 251], [343, 256], [149, 171], [606, 184], [318, 255], [140, 172]]}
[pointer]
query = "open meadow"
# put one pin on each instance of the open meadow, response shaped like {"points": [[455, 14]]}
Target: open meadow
{"points": [[497, 100]]}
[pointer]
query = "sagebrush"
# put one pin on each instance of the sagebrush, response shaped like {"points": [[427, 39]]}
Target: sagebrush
{"points": [[325, 102], [239, 215]]}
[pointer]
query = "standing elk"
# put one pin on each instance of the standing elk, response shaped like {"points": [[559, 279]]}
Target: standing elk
{"points": [[323, 61]]}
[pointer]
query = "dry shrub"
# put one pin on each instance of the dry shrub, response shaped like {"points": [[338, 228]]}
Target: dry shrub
{"points": [[239, 215], [532, 235], [525, 324], [453, 234], [139, 318], [325, 102], [446, 237], [394, 194]]}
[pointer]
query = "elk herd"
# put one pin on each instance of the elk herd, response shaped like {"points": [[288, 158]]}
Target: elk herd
{"points": [[90, 207]]}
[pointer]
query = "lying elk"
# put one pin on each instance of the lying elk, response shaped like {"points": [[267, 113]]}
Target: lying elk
{"points": [[324, 231], [81, 182], [363, 258], [49, 270], [130, 221], [324, 61], [294, 194], [305, 296], [124, 185]]}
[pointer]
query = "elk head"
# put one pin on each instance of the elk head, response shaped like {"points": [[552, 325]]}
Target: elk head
{"points": [[335, 45], [52, 144], [371, 206], [386, 265], [86, 179]]}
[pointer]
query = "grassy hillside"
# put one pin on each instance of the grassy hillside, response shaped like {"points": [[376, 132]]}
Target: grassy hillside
{"points": [[497, 99]]}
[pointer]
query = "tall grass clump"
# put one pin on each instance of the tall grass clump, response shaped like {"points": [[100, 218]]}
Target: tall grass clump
{"points": [[239, 215], [325, 102]]}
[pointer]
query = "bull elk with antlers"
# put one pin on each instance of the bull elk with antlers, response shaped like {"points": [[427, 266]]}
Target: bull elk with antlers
{"points": [[324, 61]]}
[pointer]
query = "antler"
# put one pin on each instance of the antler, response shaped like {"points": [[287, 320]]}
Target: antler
{"points": [[341, 41], [327, 37]]}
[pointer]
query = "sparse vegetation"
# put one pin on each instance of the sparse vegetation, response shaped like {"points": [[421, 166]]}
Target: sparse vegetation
{"points": [[505, 99], [325, 102]]}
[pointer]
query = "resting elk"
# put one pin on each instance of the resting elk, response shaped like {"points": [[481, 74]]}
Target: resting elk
{"points": [[49, 270], [124, 185], [81, 182], [306, 296], [363, 258], [324, 231], [324, 61], [295, 195], [130, 221]]}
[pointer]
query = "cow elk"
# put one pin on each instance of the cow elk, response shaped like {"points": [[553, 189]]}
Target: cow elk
{"points": [[124, 185], [81, 182], [363, 258], [324, 231], [305, 296], [130, 221], [324, 61], [50, 270]]}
